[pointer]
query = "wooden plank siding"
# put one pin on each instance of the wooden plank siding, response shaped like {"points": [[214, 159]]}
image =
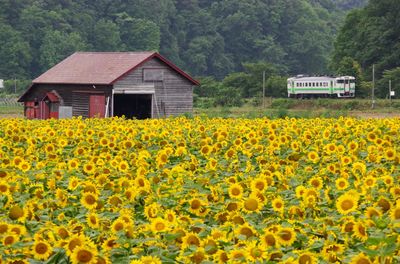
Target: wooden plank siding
{"points": [[76, 96], [175, 93]]}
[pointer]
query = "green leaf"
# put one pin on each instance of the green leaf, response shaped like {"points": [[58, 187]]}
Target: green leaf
{"points": [[369, 252], [388, 249]]}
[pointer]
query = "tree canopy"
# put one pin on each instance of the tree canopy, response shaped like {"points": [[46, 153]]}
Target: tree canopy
{"points": [[207, 38], [371, 36]]}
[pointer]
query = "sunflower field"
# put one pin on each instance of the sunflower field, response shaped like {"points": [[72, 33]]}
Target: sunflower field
{"points": [[200, 190]]}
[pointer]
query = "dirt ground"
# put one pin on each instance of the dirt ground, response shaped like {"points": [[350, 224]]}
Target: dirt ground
{"points": [[367, 115]]}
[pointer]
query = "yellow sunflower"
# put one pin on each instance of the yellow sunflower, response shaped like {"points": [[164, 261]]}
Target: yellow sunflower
{"points": [[307, 257], [84, 254], [246, 231], [73, 242], [259, 184], [41, 250], [89, 200], [190, 239], [361, 258], [235, 191], [286, 236], [371, 212], [9, 239], [269, 239], [313, 156], [252, 204], [346, 204], [278, 204], [395, 213], [17, 213], [92, 220], [159, 225], [360, 231], [341, 183]]}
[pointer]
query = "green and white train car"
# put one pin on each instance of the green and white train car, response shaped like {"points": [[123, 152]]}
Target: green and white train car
{"points": [[311, 86]]}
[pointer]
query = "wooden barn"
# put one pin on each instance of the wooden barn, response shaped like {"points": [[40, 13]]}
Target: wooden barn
{"points": [[103, 84]]}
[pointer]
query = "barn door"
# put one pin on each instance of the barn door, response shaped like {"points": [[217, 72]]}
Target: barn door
{"points": [[44, 110], [97, 105]]}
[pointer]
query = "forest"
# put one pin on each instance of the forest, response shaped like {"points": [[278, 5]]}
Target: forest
{"points": [[226, 44]]}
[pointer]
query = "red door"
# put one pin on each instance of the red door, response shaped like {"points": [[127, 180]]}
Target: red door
{"points": [[44, 112], [97, 106]]}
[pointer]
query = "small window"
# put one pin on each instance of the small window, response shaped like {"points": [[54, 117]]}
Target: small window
{"points": [[153, 75], [316, 84], [306, 85], [340, 81]]}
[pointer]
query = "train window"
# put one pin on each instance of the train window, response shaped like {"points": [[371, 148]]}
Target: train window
{"points": [[346, 81], [340, 81], [310, 84], [352, 81], [316, 84], [306, 84], [320, 84]]}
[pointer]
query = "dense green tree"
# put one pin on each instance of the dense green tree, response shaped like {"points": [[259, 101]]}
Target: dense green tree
{"points": [[255, 71], [276, 86], [14, 54], [393, 76], [106, 36], [139, 34], [57, 45], [371, 36], [350, 4], [204, 37]]}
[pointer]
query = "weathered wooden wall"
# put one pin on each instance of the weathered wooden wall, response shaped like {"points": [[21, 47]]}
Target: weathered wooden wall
{"points": [[174, 94], [76, 96]]}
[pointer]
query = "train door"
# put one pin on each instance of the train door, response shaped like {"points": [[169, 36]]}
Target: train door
{"points": [[346, 84]]}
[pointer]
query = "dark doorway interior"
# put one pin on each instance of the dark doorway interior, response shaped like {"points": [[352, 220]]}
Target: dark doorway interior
{"points": [[132, 105]]}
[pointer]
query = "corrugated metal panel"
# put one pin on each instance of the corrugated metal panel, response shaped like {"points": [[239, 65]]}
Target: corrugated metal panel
{"points": [[80, 104]]}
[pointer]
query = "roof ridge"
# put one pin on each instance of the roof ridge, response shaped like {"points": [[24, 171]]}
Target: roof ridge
{"points": [[114, 52]]}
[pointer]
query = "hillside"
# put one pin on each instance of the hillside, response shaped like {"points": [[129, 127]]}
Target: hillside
{"points": [[350, 4], [206, 38]]}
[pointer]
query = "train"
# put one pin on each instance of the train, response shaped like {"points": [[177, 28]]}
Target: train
{"points": [[321, 86]]}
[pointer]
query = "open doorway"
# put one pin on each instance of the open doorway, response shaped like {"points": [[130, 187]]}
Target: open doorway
{"points": [[133, 105]]}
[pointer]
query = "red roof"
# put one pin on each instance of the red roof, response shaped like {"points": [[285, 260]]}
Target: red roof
{"points": [[100, 67], [52, 97]]}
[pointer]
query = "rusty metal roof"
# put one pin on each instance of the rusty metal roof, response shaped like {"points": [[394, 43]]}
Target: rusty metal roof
{"points": [[99, 67]]}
